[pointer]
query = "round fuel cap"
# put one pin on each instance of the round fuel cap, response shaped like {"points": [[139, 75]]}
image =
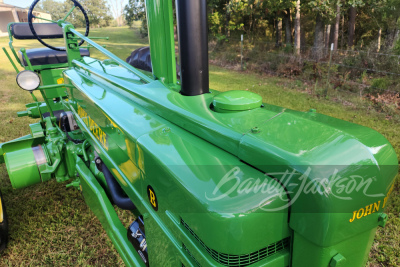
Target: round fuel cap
{"points": [[234, 101]]}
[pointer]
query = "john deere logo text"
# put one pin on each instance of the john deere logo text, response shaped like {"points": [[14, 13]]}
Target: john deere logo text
{"points": [[94, 128], [372, 208], [152, 197]]}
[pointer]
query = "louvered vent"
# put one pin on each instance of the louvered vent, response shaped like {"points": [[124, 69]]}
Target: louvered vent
{"points": [[190, 254], [232, 260]]}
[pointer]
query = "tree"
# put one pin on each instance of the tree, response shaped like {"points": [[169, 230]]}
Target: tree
{"points": [[297, 35], [135, 10], [353, 5], [337, 24], [118, 11], [278, 28], [325, 12], [96, 10], [318, 37], [56, 9], [352, 25], [288, 27], [227, 19]]}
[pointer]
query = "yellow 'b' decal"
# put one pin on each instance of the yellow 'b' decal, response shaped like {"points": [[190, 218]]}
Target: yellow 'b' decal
{"points": [[152, 197]]}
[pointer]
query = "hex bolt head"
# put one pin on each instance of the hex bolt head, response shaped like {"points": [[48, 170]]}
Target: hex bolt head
{"points": [[255, 130], [382, 219], [337, 260]]}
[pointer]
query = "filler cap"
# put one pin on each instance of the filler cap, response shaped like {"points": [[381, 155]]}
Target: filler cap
{"points": [[234, 101]]}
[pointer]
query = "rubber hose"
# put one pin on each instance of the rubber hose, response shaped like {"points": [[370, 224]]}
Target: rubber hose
{"points": [[117, 194]]}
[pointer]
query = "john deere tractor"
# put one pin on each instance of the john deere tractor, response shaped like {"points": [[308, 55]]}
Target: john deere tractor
{"points": [[213, 179]]}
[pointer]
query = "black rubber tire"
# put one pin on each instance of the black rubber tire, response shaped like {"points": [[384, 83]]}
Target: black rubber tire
{"points": [[3, 225], [31, 16], [141, 59]]}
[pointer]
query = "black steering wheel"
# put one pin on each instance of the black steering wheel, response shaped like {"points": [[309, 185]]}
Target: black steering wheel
{"points": [[31, 17]]}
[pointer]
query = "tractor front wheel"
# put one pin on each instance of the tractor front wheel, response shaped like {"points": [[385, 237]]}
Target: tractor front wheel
{"points": [[3, 224]]}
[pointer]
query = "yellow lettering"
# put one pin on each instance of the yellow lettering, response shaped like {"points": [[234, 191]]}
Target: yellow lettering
{"points": [[96, 131], [100, 133], [354, 216], [360, 213], [376, 206], [368, 210], [384, 201], [93, 127]]}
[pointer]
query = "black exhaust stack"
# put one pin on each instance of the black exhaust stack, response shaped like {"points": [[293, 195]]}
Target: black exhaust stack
{"points": [[193, 46]]}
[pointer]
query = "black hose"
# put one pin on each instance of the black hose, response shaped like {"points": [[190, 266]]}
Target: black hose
{"points": [[117, 194]]}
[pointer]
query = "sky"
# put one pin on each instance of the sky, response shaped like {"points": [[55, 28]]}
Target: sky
{"points": [[26, 3]]}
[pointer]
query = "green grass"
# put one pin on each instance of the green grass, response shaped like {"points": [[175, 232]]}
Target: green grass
{"points": [[51, 225]]}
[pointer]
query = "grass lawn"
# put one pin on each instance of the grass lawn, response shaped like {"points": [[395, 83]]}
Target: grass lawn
{"points": [[51, 225]]}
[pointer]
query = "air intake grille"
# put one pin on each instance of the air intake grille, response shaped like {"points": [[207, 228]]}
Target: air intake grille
{"points": [[190, 254], [240, 260]]}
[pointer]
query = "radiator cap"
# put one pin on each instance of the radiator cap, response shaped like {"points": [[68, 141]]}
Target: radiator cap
{"points": [[235, 101]]}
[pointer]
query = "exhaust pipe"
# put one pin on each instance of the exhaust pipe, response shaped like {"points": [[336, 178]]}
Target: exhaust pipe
{"points": [[193, 46]]}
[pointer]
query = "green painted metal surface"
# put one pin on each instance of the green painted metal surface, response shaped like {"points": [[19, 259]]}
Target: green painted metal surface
{"points": [[98, 201], [162, 43], [309, 134], [22, 168], [266, 186]]}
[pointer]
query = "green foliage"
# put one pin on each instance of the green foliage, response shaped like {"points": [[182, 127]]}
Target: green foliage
{"points": [[144, 31], [221, 37], [134, 11], [381, 83], [396, 48], [97, 11], [324, 7], [214, 23], [56, 9]]}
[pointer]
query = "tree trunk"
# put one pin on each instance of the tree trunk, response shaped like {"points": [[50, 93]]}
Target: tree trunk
{"points": [[251, 20], [336, 30], [303, 39], [379, 40], [278, 27], [318, 38], [288, 27], [390, 38], [396, 37], [227, 19], [328, 36], [297, 36], [352, 26], [342, 38]]}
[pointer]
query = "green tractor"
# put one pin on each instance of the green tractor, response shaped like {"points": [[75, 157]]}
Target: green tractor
{"points": [[213, 179]]}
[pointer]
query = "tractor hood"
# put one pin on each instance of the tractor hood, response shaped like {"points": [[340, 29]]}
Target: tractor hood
{"points": [[337, 174]]}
